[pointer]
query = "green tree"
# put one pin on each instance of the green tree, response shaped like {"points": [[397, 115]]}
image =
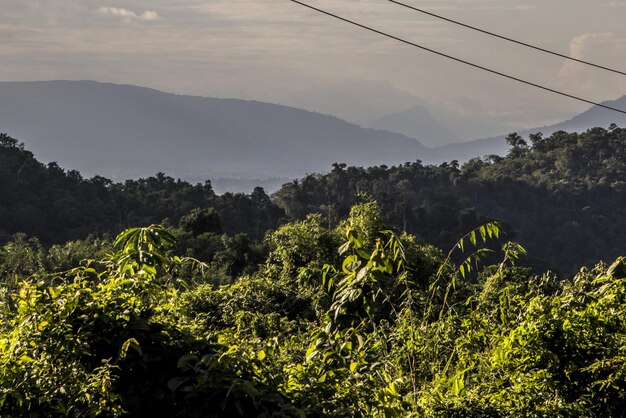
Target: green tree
{"points": [[200, 221]]}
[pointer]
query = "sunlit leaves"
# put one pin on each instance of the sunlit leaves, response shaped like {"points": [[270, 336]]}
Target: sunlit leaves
{"points": [[386, 339], [142, 250]]}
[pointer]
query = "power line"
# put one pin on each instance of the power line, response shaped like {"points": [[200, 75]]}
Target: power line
{"points": [[535, 47], [480, 67]]}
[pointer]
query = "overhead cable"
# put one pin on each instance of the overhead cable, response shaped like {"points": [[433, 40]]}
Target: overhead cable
{"points": [[535, 47], [442, 54]]}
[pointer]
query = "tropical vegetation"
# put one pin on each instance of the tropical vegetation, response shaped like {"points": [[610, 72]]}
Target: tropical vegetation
{"points": [[320, 300]]}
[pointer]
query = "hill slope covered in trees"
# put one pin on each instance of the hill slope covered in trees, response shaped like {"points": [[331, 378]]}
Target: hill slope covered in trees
{"points": [[307, 304], [560, 196], [56, 205]]}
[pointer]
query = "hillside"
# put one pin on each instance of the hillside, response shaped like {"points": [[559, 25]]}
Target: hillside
{"points": [[348, 321], [594, 117], [120, 132], [417, 123], [560, 196], [56, 205], [328, 299]]}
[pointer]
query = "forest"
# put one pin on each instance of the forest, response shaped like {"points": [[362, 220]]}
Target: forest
{"points": [[493, 288]]}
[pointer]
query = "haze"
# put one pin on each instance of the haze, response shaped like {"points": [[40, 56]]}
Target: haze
{"points": [[277, 51]]}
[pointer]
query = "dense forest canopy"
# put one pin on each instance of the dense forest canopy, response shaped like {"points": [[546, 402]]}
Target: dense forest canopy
{"points": [[56, 205], [351, 321], [325, 299], [560, 196]]}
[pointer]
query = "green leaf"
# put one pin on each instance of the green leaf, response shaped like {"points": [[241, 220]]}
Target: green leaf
{"points": [[311, 353], [148, 269], [483, 233], [350, 263], [345, 248], [128, 344]]}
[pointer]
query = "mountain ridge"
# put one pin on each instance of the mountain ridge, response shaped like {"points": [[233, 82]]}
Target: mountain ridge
{"points": [[416, 122], [595, 116], [123, 131], [70, 121]]}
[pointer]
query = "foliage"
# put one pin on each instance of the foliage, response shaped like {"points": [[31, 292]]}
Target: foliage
{"points": [[56, 205], [555, 195], [200, 221], [103, 343], [339, 313]]}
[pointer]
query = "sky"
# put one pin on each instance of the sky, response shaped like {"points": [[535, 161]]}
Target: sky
{"points": [[278, 51]]}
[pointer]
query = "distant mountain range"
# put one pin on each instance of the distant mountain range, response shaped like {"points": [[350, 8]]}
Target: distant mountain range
{"points": [[122, 131], [594, 117], [417, 123]]}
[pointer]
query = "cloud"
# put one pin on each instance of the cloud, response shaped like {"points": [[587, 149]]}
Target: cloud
{"points": [[129, 15], [602, 48], [580, 46], [269, 49]]}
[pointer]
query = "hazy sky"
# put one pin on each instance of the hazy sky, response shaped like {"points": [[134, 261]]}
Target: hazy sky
{"points": [[278, 51]]}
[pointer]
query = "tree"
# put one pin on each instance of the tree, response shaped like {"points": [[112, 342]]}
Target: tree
{"points": [[7, 142], [199, 221], [536, 138], [519, 146]]}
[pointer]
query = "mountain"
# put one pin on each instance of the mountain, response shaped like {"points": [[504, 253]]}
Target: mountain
{"points": [[122, 131], [417, 123], [594, 117], [361, 102]]}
